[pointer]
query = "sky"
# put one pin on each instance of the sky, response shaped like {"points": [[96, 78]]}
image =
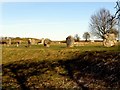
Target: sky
{"points": [[53, 20]]}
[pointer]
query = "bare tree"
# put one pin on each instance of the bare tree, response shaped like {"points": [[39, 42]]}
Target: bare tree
{"points": [[117, 14], [76, 38], [86, 36], [101, 22]]}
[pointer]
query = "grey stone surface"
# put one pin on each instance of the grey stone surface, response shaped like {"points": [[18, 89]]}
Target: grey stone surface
{"points": [[42, 41], [47, 42], [29, 42], [109, 40], [70, 41], [33, 42], [9, 42]]}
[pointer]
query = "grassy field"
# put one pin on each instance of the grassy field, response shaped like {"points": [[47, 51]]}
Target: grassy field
{"points": [[83, 67], [39, 52]]}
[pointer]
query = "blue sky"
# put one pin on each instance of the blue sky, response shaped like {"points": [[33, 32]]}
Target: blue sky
{"points": [[54, 20]]}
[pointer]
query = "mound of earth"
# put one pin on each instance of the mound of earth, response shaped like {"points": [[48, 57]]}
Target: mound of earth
{"points": [[89, 70]]}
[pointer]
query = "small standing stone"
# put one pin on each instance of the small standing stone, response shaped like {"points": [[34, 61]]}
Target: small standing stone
{"points": [[109, 40], [29, 42], [33, 42], [17, 44], [70, 41], [47, 42], [42, 40], [9, 41]]}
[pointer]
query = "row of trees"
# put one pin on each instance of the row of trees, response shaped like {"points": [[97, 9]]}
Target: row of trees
{"points": [[86, 36]]}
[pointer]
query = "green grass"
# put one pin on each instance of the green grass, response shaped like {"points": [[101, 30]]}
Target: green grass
{"points": [[60, 67], [54, 52]]}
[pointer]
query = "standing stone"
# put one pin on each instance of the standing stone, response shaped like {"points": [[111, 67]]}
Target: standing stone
{"points": [[109, 40], [42, 41], [70, 41], [17, 44], [47, 42], [29, 42], [9, 41], [20, 41], [32, 41]]}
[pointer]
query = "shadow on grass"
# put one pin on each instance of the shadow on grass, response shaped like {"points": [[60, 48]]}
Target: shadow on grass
{"points": [[94, 69], [98, 69]]}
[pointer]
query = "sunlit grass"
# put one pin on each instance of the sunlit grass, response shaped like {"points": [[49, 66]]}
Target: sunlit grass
{"points": [[39, 67], [39, 52]]}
